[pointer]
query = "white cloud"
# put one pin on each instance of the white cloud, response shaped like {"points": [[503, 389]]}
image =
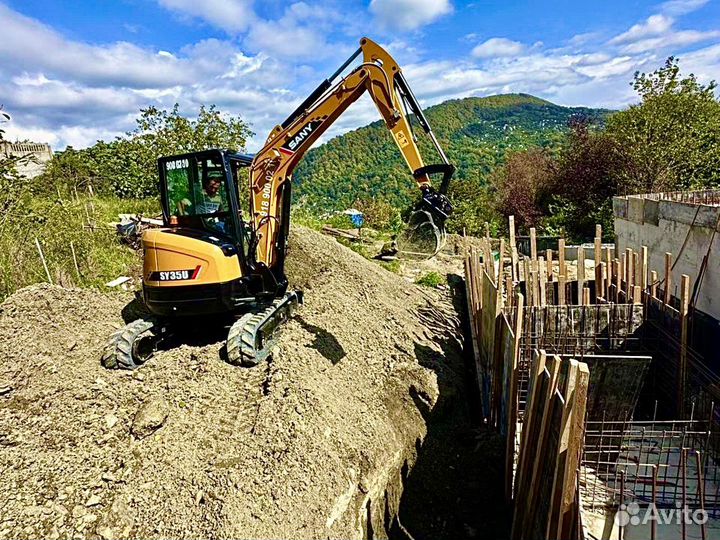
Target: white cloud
{"points": [[28, 42], [679, 38], [66, 91], [231, 15], [681, 7], [653, 26], [498, 47], [408, 14]]}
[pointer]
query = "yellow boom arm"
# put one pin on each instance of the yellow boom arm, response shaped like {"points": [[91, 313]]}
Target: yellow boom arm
{"points": [[272, 167]]}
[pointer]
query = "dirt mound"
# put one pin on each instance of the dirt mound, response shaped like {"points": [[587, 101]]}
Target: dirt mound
{"points": [[308, 445]]}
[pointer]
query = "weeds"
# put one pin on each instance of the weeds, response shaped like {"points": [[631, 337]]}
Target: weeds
{"points": [[431, 279], [61, 225]]}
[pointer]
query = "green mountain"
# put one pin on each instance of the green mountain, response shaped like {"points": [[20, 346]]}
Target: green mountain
{"points": [[476, 134]]}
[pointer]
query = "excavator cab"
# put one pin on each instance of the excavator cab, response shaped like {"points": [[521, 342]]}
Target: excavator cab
{"points": [[200, 191]]}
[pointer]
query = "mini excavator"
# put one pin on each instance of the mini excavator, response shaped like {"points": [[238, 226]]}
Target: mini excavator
{"points": [[208, 261]]}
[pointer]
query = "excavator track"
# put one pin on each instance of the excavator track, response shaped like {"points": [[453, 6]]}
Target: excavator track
{"points": [[131, 346], [251, 338]]}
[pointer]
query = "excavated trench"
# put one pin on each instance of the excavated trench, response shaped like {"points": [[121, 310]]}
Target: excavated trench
{"points": [[361, 426]]}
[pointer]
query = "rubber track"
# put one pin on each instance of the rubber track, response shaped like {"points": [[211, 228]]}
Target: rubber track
{"points": [[117, 353], [241, 350]]}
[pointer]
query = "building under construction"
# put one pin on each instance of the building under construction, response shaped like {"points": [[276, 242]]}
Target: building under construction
{"points": [[601, 373]]}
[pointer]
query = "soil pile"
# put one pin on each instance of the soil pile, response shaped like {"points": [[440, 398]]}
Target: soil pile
{"points": [[308, 445]]}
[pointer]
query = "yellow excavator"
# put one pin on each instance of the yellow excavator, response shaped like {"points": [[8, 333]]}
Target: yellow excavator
{"points": [[207, 261]]}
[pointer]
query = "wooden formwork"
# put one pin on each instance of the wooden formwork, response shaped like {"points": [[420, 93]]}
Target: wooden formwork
{"points": [[524, 305]]}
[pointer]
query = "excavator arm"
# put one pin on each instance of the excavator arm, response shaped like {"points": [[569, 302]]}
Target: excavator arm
{"points": [[271, 171]]}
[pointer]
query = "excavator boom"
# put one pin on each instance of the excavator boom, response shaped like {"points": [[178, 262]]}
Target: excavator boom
{"points": [[380, 76]]}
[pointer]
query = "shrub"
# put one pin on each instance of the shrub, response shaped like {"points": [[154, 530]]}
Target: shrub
{"points": [[431, 279]]}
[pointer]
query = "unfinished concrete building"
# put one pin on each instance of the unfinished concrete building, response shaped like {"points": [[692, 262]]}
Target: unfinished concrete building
{"points": [[34, 156], [605, 385], [684, 224]]}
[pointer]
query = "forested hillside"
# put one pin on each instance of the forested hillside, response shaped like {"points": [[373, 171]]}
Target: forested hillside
{"points": [[476, 133]]}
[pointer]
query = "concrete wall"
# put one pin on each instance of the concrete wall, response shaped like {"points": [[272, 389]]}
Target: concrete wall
{"points": [[39, 154], [664, 226]]}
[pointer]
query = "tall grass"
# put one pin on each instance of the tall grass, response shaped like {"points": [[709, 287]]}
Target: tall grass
{"points": [[60, 225]]}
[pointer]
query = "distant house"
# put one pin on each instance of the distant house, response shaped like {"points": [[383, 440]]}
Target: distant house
{"points": [[38, 155]]}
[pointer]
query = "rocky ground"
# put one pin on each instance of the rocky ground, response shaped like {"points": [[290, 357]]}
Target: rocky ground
{"points": [[316, 443]]}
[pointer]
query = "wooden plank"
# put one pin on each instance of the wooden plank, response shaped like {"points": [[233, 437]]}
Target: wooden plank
{"points": [[542, 384], [549, 259], [644, 268], [668, 277], [599, 281], [528, 283], [570, 495], [542, 280], [636, 269], [565, 429], [512, 357], [580, 273], [501, 263], [561, 287], [637, 295], [684, 311], [513, 250], [533, 244], [542, 504], [653, 284], [509, 291], [598, 251], [561, 257]]}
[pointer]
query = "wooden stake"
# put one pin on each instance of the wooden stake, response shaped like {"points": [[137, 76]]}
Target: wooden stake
{"points": [[598, 251], [561, 287], [580, 272], [653, 284], [549, 259], [629, 270], [533, 244], [561, 257], [644, 268], [74, 256], [668, 277], [513, 250], [542, 278], [684, 311], [509, 290], [528, 281], [636, 268], [44, 263], [600, 281], [586, 296], [617, 264]]}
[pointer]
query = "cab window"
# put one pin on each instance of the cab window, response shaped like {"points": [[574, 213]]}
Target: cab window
{"points": [[197, 192]]}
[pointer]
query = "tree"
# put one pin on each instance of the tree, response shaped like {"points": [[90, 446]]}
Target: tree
{"points": [[12, 184], [127, 166], [585, 181], [524, 186], [672, 138]]}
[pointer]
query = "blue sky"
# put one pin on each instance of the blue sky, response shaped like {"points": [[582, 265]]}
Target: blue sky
{"points": [[76, 71]]}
